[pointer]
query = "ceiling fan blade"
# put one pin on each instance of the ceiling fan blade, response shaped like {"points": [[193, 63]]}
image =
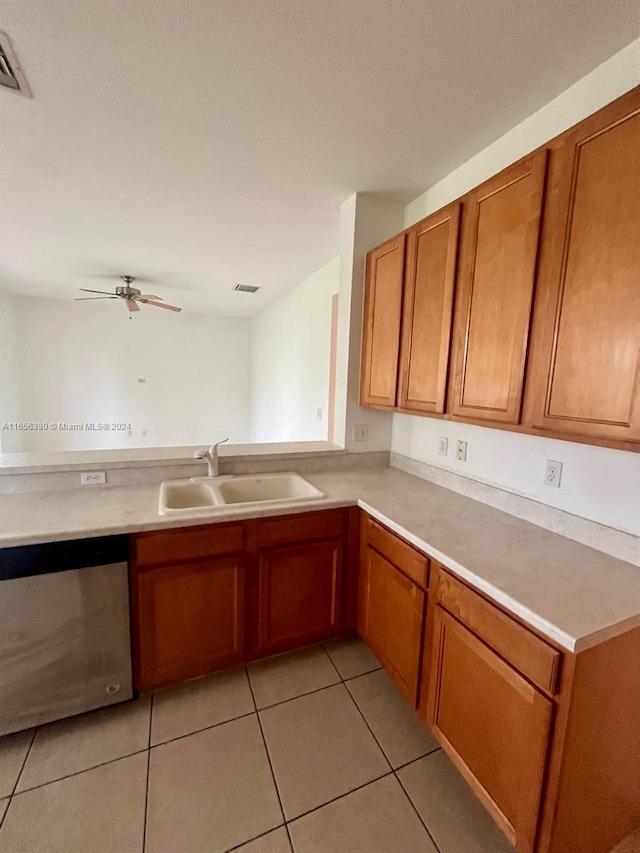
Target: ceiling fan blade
{"points": [[132, 305], [160, 305], [105, 292], [150, 296], [91, 298]]}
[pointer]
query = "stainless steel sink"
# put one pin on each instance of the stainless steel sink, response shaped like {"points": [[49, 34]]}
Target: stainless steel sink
{"points": [[210, 493]]}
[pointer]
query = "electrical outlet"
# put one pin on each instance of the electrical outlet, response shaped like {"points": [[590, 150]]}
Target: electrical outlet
{"points": [[93, 478], [443, 446], [319, 414], [360, 432], [553, 473], [461, 451]]}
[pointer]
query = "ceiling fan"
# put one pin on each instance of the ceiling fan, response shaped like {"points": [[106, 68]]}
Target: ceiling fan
{"points": [[130, 295]]}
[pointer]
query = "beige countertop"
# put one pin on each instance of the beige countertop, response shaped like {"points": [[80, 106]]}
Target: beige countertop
{"points": [[573, 594]]}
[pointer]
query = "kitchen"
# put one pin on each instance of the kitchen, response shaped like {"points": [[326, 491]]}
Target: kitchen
{"points": [[399, 609]]}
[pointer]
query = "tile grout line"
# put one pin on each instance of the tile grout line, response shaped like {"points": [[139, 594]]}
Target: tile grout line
{"points": [[299, 696], [341, 680], [394, 771], [411, 803], [362, 675], [413, 760], [266, 750], [199, 731], [146, 793], [340, 796], [182, 737], [344, 684], [151, 746], [255, 838], [80, 772], [13, 792]]}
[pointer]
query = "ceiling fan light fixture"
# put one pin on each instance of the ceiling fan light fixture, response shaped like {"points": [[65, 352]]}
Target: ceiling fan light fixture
{"points": [[131, 296]]}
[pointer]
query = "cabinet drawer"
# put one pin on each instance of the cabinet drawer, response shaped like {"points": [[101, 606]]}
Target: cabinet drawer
{"points": [[414, 564], [536, 660], [187, 543], [301, 528]]}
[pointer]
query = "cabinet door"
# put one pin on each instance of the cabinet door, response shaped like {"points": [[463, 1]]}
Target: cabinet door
{"points": [[300, 594], [430, 271], [493, 724], [381, 330], [497, 269], [585, 371], [190, 619], [391, 614]]}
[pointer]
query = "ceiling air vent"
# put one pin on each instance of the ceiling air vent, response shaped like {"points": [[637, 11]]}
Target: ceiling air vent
{"points": [[11, 76], [246, 288]]}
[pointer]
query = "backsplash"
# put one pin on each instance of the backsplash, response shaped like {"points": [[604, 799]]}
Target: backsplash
{"points": [[624, 546], [145, 475]]}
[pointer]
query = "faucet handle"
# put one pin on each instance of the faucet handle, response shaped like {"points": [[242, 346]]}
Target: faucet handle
{"points": [[202, 453]]}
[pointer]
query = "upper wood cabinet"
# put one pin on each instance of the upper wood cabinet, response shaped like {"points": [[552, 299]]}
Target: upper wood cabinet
{"points": [[496, 277], [586, 335], [544, 281], [381, 330], [430, 271]]}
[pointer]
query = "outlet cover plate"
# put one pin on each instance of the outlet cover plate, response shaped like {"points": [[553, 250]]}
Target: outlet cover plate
{"points": [[93, 478], [360, 432], [553, 473], [461, 451]]}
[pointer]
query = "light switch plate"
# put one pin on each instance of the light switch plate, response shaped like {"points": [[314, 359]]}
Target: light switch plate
{"points": [[443, 445]]}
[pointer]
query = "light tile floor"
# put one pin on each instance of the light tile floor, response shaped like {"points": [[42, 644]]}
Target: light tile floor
{"points": [[312, 752]]}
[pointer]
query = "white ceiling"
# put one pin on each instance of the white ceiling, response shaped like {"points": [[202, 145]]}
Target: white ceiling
{"points": [[201, 143]]}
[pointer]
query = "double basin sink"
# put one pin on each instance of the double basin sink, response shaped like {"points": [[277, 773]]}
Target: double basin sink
{"points": [[210, 493]]}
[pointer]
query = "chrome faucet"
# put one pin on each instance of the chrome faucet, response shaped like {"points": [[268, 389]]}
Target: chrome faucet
{"points": [[211, 455]]}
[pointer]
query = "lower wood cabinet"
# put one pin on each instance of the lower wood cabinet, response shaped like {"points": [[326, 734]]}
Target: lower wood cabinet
{"points": [[547, 740], [211, 596], [493, 724], [391, 620], [392, 606], [300, 592], [190, 619]]}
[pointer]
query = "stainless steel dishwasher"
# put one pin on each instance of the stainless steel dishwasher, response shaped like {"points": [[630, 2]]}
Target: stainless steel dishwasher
{"points": [[64, 630]]}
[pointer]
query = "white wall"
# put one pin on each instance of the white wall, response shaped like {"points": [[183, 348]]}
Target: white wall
{"points": [[8, 390], [80, 362], [597, 483], [290, 351], [366, 220], [603, 85]]}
